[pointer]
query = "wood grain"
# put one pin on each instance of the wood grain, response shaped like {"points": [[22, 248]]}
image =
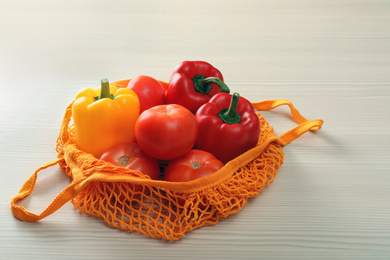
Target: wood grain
{"points": [[329, 200]]}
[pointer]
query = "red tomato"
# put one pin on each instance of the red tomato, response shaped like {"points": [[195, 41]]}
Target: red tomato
{"points": [[195, 164], [132, 157], [150, 92], [166, 132]]}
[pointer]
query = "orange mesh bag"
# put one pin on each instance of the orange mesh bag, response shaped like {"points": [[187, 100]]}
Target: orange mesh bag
{"points": [[130, 200]]}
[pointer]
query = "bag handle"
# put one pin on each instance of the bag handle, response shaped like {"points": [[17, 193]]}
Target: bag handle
{"points": [[78, 184], [63, 197], [304, 124]]}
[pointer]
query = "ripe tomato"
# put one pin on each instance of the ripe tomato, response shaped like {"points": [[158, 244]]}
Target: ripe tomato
{"points": [[150, 92], [131, 156], [193, 165], [166, 132]]}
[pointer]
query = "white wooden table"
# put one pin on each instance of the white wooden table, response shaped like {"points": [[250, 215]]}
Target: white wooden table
{"points": [[331, 59]]}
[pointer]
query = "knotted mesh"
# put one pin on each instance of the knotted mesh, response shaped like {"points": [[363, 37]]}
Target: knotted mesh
{"points": [[129, 200]]}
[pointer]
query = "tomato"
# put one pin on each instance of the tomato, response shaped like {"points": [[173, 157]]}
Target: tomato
{"points": [[195, 164], [131, 156], [150, 91], [166, 132]]}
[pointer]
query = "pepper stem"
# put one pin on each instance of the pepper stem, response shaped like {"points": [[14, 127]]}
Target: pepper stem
{"points": [[105, 89], [230, 115], [202, 84]]}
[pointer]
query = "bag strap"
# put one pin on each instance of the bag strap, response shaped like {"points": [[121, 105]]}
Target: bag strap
{"points": [[68, 193], [78, 184], [304, 124], [64, 196]]}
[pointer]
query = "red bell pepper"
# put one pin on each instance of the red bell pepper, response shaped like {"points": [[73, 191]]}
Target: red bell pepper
{"points": [[227, 126], [193, 83]]}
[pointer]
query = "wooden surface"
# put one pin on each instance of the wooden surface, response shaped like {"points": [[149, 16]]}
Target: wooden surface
{"points": [[330, 58]]}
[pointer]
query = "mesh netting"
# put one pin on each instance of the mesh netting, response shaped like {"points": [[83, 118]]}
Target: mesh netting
{"points": [[167, 210]]}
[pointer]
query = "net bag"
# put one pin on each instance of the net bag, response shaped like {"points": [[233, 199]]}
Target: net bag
{"points": [[129, 200]]}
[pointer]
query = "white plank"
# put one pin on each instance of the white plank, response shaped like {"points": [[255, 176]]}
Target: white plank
{"points": [[330, 199]]}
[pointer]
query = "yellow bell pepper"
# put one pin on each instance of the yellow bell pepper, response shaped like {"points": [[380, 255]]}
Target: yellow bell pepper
{"points": [[104, 117]]}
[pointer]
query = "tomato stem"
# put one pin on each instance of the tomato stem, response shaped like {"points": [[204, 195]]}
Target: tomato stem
{"points": [[196, 164], [202, 84], [124, 160], [230, 115]]}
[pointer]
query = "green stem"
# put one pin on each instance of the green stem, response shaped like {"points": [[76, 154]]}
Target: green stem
{"points": [[105, 89], [202, 84], [230, 115]]}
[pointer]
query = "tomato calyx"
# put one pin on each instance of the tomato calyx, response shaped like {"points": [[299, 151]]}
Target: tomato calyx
{"points": [[196, 164], [124, 160]]}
